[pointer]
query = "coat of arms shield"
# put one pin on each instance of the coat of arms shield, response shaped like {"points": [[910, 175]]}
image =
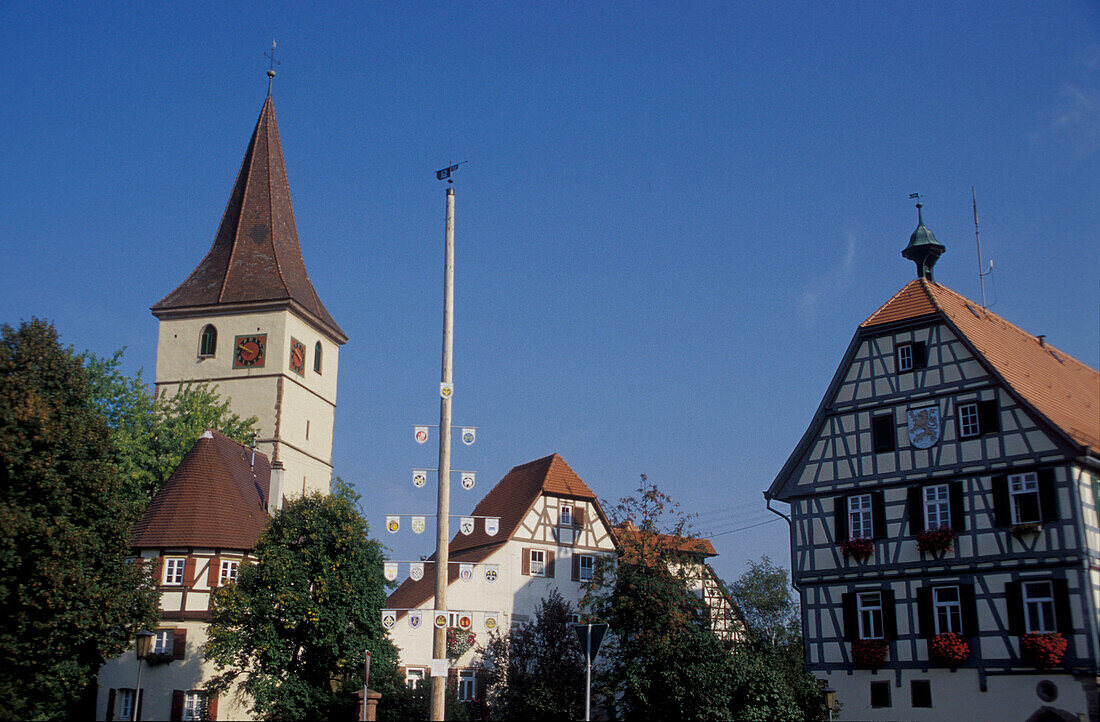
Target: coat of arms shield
{"points": [[468, 478], [466, 525], [492, 526], [418, 524], [924, 426], [465, 572], [491, 572], [416, 571], [416, 617], [389, 618], [389, 571]]}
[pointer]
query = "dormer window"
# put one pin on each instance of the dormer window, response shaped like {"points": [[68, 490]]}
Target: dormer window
{"points": [[317, 357], [910, 356], [208, 341]]}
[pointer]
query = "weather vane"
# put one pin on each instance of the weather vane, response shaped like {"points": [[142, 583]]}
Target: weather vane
{"points": [[271, 66], [915, 195], [445, 174]]}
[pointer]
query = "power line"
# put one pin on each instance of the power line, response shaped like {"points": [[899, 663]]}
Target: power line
{"points": [[751, 526]]}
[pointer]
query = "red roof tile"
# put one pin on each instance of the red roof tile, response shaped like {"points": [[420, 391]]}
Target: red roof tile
{"points": [[215, 498], [629, 533], [1058, 386], [256, 258]]}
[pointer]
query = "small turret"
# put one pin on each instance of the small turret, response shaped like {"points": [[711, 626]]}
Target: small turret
{"points": [[923, 249]]}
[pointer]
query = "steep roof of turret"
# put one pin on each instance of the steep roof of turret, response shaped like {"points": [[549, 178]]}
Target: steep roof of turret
{"points": [[256, 260]]}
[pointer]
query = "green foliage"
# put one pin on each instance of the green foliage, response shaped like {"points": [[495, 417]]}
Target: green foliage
{"points": [[68, 597], [151, 436], [292, 630], [536, 672], [399, 703], [763, 597]]}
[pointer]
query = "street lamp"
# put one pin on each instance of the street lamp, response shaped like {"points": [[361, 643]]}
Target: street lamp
{"points": [[144, 644]]}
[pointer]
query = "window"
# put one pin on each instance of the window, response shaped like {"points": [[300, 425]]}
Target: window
{"points": [[467, 685], [977, 418], [228, 572], [173, 570], [574, 619], [208, 341], [565, 516], [859, 517], [1038, 607], [947, 609], [162, 641], [193, 707], [920, 693], [125, 704], [869, 610], [317, 357], [1023, 492], [882, 433], [905, 357], [937, 506], [414, 677], [586, 564], [880, 694], [968, 421], [538, 563], [911, 356]]}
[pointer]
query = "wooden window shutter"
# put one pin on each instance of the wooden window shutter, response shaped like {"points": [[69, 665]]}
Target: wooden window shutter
{"points": [[177, 704], [883, 433], [213, 573], [1063, 616], [578, 517], [851, 620], [111, 704], [525, 565], [1001, 514], [550, 564], [179, 643], [1048, 495], [159, 578], [878, 514], [212, 708], [452, 678], [840, 518], [969, 604], [989, 417], [576, 568], [926, 625], [480, 684], [189, 572], [916, 510], [920, 354], [958, 514], [1015, 602], [889, 614]]}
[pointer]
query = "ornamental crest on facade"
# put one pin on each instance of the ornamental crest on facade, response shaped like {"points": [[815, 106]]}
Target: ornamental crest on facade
{"points": [[924, 426]]}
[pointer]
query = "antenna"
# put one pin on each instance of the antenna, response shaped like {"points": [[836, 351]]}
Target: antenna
{"points": [[977, 238]]}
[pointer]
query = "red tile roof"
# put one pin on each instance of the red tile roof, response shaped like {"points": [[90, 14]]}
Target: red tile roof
{"points": [[256, 259], [214, 499], [627, 535], [1053, 383]]}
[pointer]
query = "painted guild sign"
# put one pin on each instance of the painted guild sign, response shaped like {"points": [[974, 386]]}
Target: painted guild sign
{"points": [[491, 622], [491, 572], [420, 477], [415, 618], [440, 620], [466, 525], [468, 478], [393, 524], [418, 524], [492, 526], [465, 572], [389, 618], [465, 621], [446, 390], [389, 571], [416, 571], [468, 435], [420, 433], [924, 426]]}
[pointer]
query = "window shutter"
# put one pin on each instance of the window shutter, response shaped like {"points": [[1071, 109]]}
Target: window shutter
{"points": [[969, 606], [179, 643], [576, 567], [851, 622], [213, 573], [159, 578], [958, 514], [479, 687], [840, 514], [452, 678], [525, 564], [889, 614], [925, 622], [212, 708], [878, 514], [1048, 495], [920, 354], [882, 433], [578, 517], [989, 417], [1015, 603], [189, 572], [550, 564], [916, 510], [110, 704], [1001, 514], [1063, 616], [177, 704]]}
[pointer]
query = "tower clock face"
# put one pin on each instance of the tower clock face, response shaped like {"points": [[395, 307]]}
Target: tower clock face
{"points": [[297, 356], [249, 351]]}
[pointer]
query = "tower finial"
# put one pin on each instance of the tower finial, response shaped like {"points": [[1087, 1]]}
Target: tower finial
{"points": [[271, 66], [923, 248]]}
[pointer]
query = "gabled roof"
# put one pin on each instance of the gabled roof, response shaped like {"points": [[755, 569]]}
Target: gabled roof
{"points": [[628, 534], [256, 260], [216, 498], [509, 500]]}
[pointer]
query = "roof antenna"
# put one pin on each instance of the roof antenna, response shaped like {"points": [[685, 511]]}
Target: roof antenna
{"points": [[981, 274], [271, 66]]}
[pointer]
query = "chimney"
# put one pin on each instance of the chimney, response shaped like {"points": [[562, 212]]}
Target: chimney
{"points": [[275, 488], [1042, 339]]}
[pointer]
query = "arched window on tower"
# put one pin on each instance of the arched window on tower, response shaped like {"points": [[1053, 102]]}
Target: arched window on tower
{"points": [[208, 341], [317, 357]]}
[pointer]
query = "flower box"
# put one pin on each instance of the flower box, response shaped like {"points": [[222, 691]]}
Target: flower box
{"points": [[936, 541], [458, 641], [1044, 650], [859, 548], [949, 649], [870, 653], [154, 658]]}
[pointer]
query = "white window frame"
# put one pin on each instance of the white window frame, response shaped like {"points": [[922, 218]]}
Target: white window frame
{"points": [[227, 573], [565, 516], [162, 641], [574, 618], [581, 575], [1039, 613], [415, 676], [870, 615], [193, 707], [173, 571], [947, 612], [937, 506], [969, 422], [860, 519], [1021, 486], [538, 557], [467, 685], [125, 704], [905, 357]]}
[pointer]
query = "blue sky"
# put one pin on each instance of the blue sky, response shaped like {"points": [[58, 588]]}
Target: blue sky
{"points": [[673, 218]]}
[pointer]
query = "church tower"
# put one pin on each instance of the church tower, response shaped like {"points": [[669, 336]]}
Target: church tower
{"points": [[248, 321]]}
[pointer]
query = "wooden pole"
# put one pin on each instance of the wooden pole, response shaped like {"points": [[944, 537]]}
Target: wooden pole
{"points": [[442, 552]]}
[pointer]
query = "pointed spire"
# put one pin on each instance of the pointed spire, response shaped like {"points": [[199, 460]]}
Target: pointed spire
{"points": [[255, 259], [923, 248]]}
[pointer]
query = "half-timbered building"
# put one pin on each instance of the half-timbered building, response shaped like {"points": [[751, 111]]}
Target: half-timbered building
{"points": [[943, 510]]}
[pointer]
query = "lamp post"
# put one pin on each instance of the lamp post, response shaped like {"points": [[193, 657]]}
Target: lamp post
{"points": [[144, 644]]}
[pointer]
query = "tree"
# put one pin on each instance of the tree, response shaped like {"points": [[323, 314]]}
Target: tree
{"points": [[151, 435], [68, 597], [536, 672], [291, 632], [763, 597]]}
